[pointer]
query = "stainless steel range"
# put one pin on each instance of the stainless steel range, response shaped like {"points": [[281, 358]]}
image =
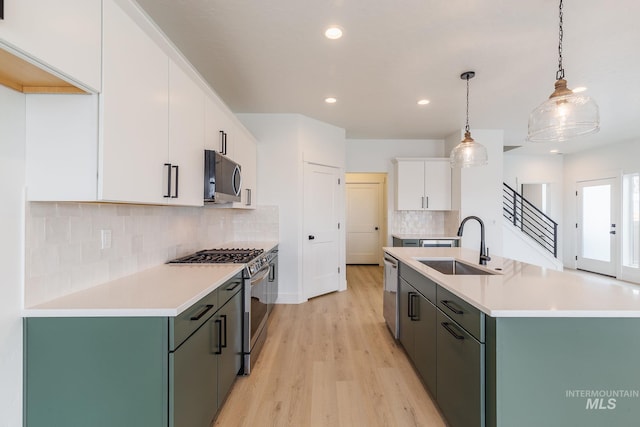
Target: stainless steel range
{"points": [[260, 290]]}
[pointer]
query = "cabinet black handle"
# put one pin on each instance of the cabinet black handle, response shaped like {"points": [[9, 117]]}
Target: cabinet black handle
{"points": [[233, 288], [203, 312], [451, 331], [177, 169], [415, 314], [248, 197], [409, 311], [222, 144], [224, 345], [168, 180], [219, 323], [272, 273], [449, 305]]}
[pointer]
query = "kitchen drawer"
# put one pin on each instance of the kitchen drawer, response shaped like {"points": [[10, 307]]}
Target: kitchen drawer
{"points": [[182, 326], [467, 316], [229, 289], [422, 284]]}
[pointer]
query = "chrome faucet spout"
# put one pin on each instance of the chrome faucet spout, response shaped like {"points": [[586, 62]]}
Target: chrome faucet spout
{"points": [[484, 253]]}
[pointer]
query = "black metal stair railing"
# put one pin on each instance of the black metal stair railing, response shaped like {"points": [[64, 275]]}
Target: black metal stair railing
{"points": [[530, 220]]}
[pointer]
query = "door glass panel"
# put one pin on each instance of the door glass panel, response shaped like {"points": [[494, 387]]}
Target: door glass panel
{"points": [[630, 220], [596, 211]]}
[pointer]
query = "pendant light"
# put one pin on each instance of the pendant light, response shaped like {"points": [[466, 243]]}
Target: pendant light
{"points": [[565, 114], [468, 153]]}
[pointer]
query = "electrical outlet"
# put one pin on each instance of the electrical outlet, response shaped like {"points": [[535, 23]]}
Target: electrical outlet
{"points": [[105, 239]]}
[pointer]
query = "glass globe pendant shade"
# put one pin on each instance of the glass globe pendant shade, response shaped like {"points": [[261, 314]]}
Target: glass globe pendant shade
{"points": [[468, 153], [563, 116]]}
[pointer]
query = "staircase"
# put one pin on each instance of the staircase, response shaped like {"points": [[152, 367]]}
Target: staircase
{"points": [[530, 235]]}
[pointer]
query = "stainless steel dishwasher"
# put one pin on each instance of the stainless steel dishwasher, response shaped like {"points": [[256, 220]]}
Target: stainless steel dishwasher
{"points": [[390, 295]]}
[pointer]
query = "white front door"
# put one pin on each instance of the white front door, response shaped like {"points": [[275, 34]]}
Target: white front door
{"points": [[321, 250], [363, 223], [597, 226]]}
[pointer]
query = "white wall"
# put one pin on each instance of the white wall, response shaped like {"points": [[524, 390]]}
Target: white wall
{"points": [[606, 161], [478, 190], [285, 142], [12, 183]]}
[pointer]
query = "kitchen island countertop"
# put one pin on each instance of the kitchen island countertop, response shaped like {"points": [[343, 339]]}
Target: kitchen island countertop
{"points": [[525, 290]]}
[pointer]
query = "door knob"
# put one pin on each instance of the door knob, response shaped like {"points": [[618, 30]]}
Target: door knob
{"points": [[311, 237], [612, 232], [376, 228]]}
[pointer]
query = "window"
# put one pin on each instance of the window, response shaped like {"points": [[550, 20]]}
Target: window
{"points": [[631, 220]]}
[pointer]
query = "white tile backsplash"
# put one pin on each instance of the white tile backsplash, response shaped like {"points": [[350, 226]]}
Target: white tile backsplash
{"points": [[63, 245], [424, 222]]}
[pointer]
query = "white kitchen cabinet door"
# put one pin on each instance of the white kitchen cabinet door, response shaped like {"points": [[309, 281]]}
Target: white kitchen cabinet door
{"points": [[437, 184], [423, 184], [134, 104], [186, 138], [63, 36], [217, 122], [245, 155], [409, 185]]}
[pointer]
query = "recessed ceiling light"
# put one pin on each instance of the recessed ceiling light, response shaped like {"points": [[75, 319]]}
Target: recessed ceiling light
{"points": [[330, 100], [423, 102], [579, 89], [554, 151], [333, 32]]}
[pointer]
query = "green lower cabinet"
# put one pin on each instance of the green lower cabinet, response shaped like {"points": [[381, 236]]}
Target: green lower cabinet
{"points": [[230, 357], [560, 372], [460, 374], [418, 332], [132, 371], [99, 372], [199, 406]]}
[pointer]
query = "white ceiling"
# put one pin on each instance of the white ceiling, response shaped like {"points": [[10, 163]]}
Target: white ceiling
{"points": [[266, 56]]}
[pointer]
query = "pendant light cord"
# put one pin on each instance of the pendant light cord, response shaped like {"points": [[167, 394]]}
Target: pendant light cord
{"points": [[560, 72], [466, 128]]}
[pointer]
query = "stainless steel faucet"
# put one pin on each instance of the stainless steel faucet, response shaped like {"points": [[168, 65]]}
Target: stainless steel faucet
{"points": [[484, 253]]}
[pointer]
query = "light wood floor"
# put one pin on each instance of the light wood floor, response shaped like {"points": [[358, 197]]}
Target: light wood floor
{"points": [[332, 362]]}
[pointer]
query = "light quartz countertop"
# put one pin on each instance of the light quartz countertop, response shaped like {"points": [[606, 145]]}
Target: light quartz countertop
{"points": [[164, 290], [525, 290], [427, 236]]}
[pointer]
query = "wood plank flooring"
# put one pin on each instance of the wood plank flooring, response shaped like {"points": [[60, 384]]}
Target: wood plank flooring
{"points": [[332, 362]]}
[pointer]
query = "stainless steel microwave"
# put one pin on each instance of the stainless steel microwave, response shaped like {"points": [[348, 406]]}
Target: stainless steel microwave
{"points": [[222, 178]]}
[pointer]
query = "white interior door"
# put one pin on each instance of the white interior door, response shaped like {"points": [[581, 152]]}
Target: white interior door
{"points": [[321, 250], [597, 221], [363, 223]]}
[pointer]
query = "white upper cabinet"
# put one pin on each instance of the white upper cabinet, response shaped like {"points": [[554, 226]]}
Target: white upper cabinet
{"points": [[217, 127], [225, 135], [142, 139], [61, 36], [186, 138], [245, 155], [423, 184], [135, 111]]}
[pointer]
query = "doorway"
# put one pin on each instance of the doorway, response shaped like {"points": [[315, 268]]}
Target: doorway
{"points": [[366, 223], [597, 226]]}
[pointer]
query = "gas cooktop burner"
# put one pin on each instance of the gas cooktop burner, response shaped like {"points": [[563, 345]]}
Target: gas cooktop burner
{"points": [[219, 256]]}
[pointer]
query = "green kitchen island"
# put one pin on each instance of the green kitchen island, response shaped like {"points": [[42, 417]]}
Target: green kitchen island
{"points": [[519, 345]]}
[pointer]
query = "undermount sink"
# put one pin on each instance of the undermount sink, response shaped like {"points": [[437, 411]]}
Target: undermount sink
{"points": [[454, 267]]}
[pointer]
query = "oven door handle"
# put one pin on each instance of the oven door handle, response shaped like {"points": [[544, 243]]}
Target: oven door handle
{"points": [[256, 279]]}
